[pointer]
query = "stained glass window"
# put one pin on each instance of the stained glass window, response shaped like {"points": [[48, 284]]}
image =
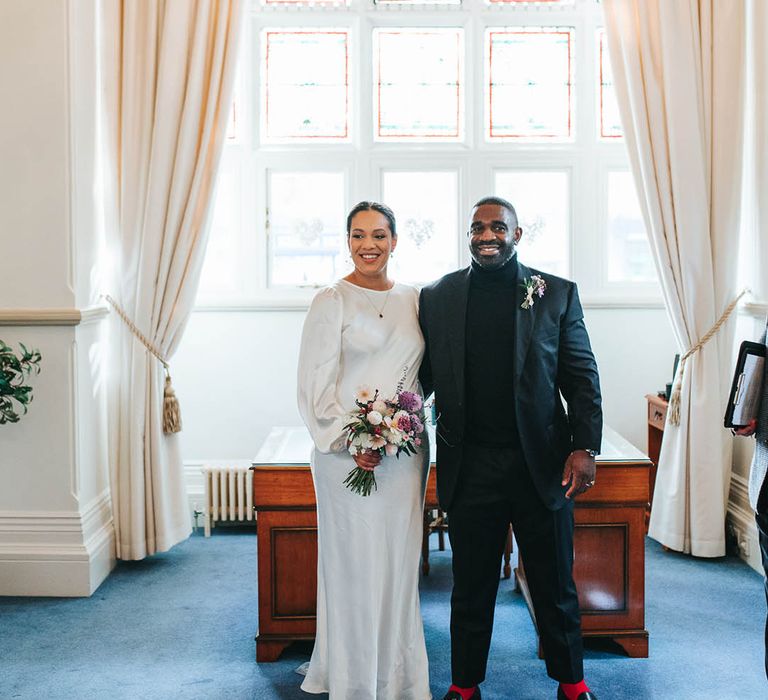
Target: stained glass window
{"points": [[425, 204], [305, 85], [542, 202], [529, 83], [306, 227], [629, 253], [610, 121], [418, 83]]}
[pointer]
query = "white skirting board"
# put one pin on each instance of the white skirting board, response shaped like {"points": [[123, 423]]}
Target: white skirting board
{"points": [[56, 553], [741, 518]]}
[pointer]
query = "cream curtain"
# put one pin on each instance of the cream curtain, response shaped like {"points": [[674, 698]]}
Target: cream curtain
{"points": [[757, 151], [679, 73], [174, 74]]}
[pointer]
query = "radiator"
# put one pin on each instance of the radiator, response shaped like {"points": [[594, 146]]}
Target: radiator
{"points": [[228, 495]]}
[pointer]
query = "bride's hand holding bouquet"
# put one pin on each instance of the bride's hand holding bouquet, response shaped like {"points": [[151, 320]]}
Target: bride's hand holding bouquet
{"points": [[381, 427]]}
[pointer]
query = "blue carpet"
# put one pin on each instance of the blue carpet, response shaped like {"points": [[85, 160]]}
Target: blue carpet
{"points": [[181, 625]]}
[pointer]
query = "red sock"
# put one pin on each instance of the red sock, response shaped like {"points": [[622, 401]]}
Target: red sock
{"points": [[466, 693], [573, 690]]}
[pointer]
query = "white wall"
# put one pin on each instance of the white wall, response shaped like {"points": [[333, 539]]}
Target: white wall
{"points": [[235, 375], [34, 152], [56, 535]]}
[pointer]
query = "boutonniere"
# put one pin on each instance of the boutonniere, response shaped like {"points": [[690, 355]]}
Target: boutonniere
{"points": [[534, 286]]}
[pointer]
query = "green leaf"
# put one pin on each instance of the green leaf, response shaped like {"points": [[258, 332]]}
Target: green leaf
{"points": [[13, 372]]}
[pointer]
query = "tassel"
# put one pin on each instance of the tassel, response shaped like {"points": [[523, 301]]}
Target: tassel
{"points": [[171, 412], [674, 400]]}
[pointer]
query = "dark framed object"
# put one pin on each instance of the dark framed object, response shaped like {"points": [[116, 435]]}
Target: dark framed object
{"points": [[747, 384]]}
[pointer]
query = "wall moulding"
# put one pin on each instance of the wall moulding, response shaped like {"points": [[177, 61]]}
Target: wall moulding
{"points": [[756, 309], [52, 316], [742, 519]]}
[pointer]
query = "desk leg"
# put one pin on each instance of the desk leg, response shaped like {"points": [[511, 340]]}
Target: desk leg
{"points": [[508, 555], [267, 651], [425, 543], [635, 647]]}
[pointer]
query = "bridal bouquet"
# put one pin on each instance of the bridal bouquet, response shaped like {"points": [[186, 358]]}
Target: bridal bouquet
{"points": [[390, 427]]}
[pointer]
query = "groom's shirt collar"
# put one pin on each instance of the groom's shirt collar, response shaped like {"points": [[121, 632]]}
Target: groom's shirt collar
{"points": [[502, 277]]}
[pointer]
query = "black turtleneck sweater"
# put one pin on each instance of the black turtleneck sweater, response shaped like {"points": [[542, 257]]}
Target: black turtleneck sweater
{"points": [[490, 350]]}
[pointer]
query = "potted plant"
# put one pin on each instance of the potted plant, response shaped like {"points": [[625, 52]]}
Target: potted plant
{"points": [[14, 370]]}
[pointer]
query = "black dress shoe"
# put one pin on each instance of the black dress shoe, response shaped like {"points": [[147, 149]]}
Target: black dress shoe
{"points": [[454, 695], [582, 696]]}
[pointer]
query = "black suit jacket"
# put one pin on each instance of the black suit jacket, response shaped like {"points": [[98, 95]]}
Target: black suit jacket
{"points": [[552, 357]]}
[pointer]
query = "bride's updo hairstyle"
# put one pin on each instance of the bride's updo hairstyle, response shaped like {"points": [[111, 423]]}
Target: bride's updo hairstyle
{"points": [[383, 209]]}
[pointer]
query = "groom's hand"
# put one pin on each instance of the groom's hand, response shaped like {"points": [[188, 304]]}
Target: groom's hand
{"points": [[746, 430], [367, 460], [579, 472]]}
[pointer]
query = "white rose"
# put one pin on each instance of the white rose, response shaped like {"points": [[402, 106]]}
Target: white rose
{"points": [[375, 418], [380, 406]]}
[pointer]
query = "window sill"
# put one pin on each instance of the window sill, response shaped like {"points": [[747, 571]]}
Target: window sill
{"points": [[296, 303]]}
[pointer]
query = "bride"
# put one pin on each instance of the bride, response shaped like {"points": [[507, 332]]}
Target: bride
{"points": [[362, 331]]}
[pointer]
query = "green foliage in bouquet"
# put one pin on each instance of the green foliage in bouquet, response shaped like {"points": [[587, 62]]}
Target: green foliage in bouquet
{"points": [[13, 372]]}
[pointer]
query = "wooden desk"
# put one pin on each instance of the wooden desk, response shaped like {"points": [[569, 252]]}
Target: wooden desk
{"points": [[284, 498], [609, 548], [610, 556], [657, 417]]}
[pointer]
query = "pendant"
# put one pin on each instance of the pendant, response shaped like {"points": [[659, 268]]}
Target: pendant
{"points": [[381, 315]]}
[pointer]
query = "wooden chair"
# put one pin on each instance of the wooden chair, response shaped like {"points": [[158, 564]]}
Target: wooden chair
{"points": [[436, 521]]}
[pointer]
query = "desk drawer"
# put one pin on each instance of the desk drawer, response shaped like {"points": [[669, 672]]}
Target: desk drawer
{"points": [[657, 414]]}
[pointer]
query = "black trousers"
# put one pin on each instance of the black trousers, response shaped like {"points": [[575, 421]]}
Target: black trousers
{"points": [[494, 490], [761, 517]]}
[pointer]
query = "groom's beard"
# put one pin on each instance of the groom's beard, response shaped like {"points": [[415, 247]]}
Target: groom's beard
{"points": [[494, 262]]}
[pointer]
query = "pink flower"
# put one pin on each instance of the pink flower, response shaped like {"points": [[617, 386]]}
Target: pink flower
{"points": [[390, 450]]}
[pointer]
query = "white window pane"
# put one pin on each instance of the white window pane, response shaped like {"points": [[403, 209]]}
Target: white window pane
{"points": [[427, 228], [306, 227], [306, 85], [418, 2], [610, 121], [305, 3], [529, 2], [233, 122], [418, 78], [219, 277], [529, 83], [629, 253], [541, 200]]}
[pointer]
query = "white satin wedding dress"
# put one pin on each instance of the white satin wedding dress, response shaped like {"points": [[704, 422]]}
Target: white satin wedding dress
{"points": [[370, 637]]}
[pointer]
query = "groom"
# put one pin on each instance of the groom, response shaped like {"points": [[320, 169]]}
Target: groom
{"points": [[503, 342]]}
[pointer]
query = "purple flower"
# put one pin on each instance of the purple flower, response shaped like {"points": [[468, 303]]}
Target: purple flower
{"points": [[416, 425], [409, 401], [404, 422]]}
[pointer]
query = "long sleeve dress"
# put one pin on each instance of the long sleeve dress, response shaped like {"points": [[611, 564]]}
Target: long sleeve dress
{"points": [[370, 638]]}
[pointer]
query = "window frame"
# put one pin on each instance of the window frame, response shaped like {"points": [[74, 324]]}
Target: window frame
{"points": [[588, 157]]}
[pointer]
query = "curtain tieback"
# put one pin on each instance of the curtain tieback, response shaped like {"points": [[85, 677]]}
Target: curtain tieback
{"points": [[674, 401], [171, 411]]}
